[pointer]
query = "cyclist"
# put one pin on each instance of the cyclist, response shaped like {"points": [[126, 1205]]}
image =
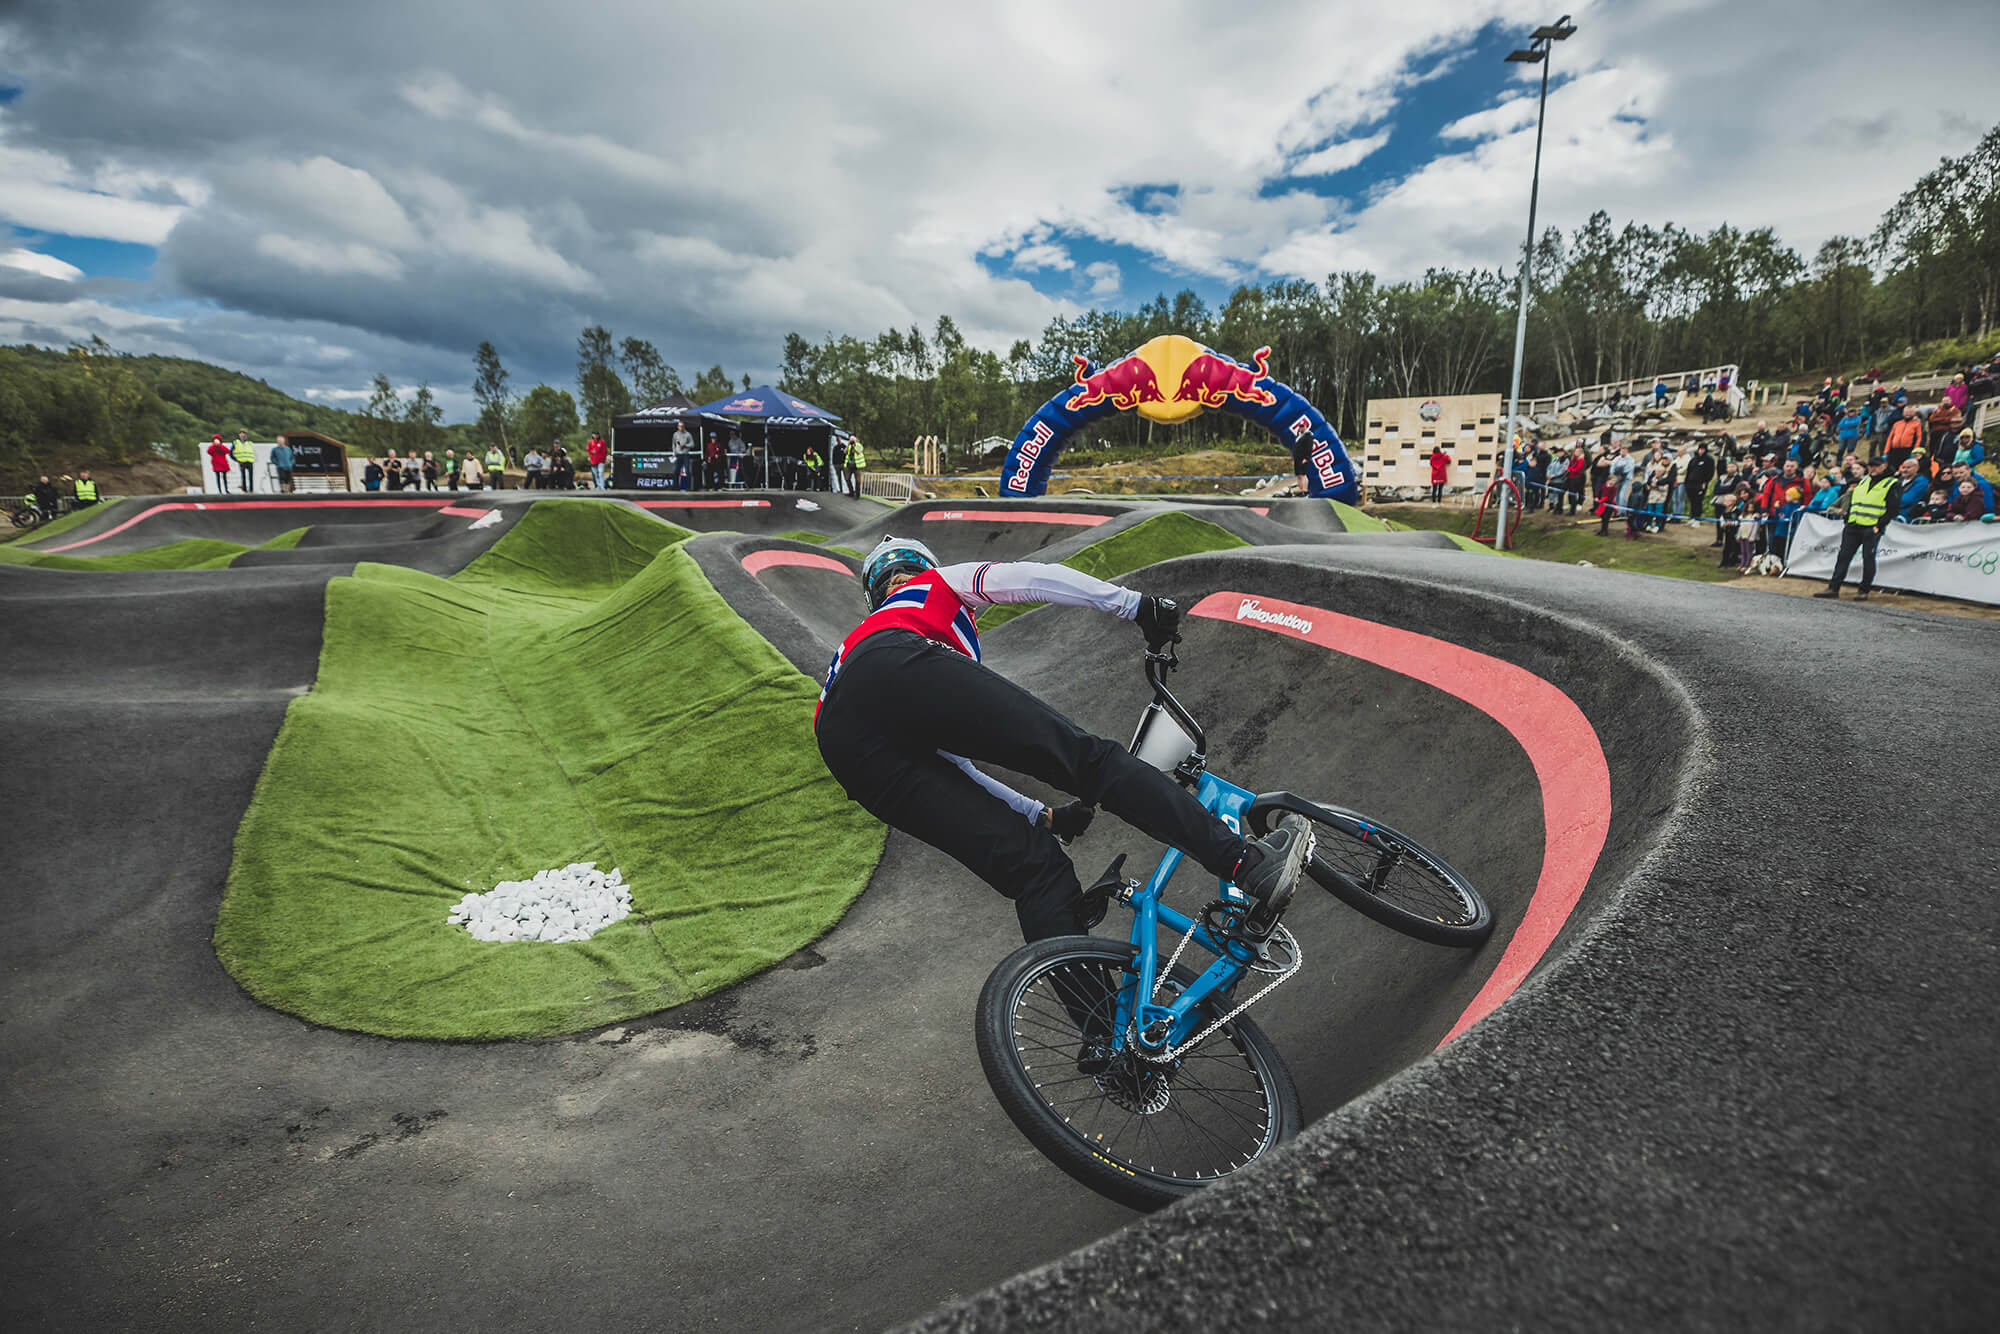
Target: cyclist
{"points": [[907, 707]]}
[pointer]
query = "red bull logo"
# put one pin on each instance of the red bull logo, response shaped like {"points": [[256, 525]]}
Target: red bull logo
{"points": [[1030, 451], [1211, 380], [1125, 384], [1330, 476]]}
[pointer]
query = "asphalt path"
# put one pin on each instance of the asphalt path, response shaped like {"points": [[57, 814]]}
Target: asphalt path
{"points": [[1743, 1084]]}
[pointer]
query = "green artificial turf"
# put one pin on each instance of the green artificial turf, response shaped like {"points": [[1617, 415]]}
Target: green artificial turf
{"points": [[193, 553], [579, 693], [1159, 538], [1359, 521], [801, 535]]}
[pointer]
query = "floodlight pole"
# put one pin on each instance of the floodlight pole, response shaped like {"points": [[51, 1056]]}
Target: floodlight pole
{"points": [[1537, 52]]}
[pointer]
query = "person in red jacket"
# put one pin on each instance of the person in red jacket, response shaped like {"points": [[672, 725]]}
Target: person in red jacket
{"points": [[220, 462], [1440, 464], [595, 453]]}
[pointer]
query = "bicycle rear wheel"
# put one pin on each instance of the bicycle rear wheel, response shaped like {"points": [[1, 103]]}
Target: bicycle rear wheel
{"points": [[1392, 878], [1140, 1133]]}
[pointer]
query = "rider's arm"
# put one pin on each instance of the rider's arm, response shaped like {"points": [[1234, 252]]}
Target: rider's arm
{"points": [[1027, 806], [985, 583]]}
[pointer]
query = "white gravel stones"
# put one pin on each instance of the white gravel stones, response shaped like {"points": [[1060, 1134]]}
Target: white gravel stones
{"points": [[574, 903]]}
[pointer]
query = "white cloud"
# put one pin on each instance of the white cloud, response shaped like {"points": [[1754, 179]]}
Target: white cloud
{"points": [[614, 164], [342, 200], [46, 192], [329, 256], [1042, 255], [48, 266], [1338, 157]]}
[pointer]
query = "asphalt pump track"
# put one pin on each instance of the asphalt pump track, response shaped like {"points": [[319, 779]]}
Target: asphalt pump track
{"points": [[1725, 1062]]}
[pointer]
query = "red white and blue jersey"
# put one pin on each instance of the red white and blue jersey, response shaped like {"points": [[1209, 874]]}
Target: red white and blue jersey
{"points": [[939, 604], [926, 605]]}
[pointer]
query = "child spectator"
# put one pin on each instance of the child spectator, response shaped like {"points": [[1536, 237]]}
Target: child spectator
{"points": [[1747, 528], [1725, 527], [1968, 505]]}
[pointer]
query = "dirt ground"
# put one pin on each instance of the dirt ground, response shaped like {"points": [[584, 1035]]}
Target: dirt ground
{"points": [[1139, 476], [148, 477], [1881, 597]]}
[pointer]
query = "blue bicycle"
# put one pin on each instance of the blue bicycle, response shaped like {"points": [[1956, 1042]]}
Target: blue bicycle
{"points": [[1143, 1078]]}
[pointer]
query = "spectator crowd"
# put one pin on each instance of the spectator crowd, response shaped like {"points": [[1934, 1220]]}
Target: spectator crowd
{"points": [[1924, 460]]}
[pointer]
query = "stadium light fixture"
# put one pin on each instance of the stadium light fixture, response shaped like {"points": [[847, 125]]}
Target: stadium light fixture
{"points": [[1536, 53]]}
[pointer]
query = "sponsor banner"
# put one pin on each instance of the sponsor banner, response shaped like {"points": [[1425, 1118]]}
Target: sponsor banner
{"points": [[1953, 560]]}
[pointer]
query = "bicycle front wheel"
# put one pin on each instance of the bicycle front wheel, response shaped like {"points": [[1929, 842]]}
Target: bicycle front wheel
{"points": [[1143, 1134], [1392, 878]]}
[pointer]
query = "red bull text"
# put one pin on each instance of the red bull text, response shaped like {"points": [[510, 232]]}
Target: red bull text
{"points": [[1030, 451]]}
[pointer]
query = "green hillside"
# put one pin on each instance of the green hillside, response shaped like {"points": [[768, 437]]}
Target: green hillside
{"points": [[97, 403]]}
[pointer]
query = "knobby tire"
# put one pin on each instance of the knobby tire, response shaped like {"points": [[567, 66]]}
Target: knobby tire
{"points": [[1142, 1135]]}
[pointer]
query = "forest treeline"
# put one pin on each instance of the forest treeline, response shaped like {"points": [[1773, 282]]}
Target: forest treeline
{"points": [[1607, 302]]}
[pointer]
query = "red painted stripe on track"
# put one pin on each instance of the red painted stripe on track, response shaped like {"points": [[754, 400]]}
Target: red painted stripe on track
{"points": [[461, 512], [1562, 746], [220, 505], [703, 504], [759, 561], [1260, 509], [1019, 516]]}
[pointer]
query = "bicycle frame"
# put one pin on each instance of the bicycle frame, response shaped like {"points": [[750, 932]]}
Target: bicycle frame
{"points": [[1159, 1028]]}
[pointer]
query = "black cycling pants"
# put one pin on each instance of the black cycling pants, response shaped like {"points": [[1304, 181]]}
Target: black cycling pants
{"points": [[901, 698]]}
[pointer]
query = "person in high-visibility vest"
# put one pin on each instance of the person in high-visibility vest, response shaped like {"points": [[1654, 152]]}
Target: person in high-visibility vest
{"points": [[246, 459], [857, 459], [812, 473], [1870, 504], [496, 468], [86, 490]]}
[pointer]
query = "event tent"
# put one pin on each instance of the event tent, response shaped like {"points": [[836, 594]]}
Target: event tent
{"points": [[782, 424]]}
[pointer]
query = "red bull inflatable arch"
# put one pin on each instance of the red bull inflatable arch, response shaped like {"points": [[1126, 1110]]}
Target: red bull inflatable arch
{"points": [[1171, 379]]}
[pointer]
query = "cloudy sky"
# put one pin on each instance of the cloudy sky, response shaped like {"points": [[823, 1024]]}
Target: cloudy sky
{"points": [[313, 194]]}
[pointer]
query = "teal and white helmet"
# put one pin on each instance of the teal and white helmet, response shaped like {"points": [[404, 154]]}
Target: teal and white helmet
{"points": [[893, 556]]}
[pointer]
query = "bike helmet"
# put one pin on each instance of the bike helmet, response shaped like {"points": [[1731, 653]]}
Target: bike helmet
{"points": [[893, 556]]}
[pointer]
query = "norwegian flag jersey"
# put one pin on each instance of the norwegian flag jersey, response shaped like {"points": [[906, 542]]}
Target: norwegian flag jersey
{"points": [[926, 605], [940, 604]]}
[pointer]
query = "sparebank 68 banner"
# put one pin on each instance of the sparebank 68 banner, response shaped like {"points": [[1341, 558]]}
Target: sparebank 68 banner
{"points": [[1171, 379], [1954, 560]]}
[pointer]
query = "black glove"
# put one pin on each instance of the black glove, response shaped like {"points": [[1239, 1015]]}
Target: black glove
{"points": [[1066, 822], [1160, 620]]}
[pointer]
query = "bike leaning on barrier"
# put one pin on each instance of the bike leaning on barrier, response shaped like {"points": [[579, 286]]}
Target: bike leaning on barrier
{"points": [[1143, 1080]]}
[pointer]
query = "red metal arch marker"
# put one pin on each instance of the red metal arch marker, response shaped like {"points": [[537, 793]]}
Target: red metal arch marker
{"points": [[1562, 747]]}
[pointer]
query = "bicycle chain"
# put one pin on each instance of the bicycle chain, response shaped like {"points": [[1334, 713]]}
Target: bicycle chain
{"points": [[1174, 1053]]}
